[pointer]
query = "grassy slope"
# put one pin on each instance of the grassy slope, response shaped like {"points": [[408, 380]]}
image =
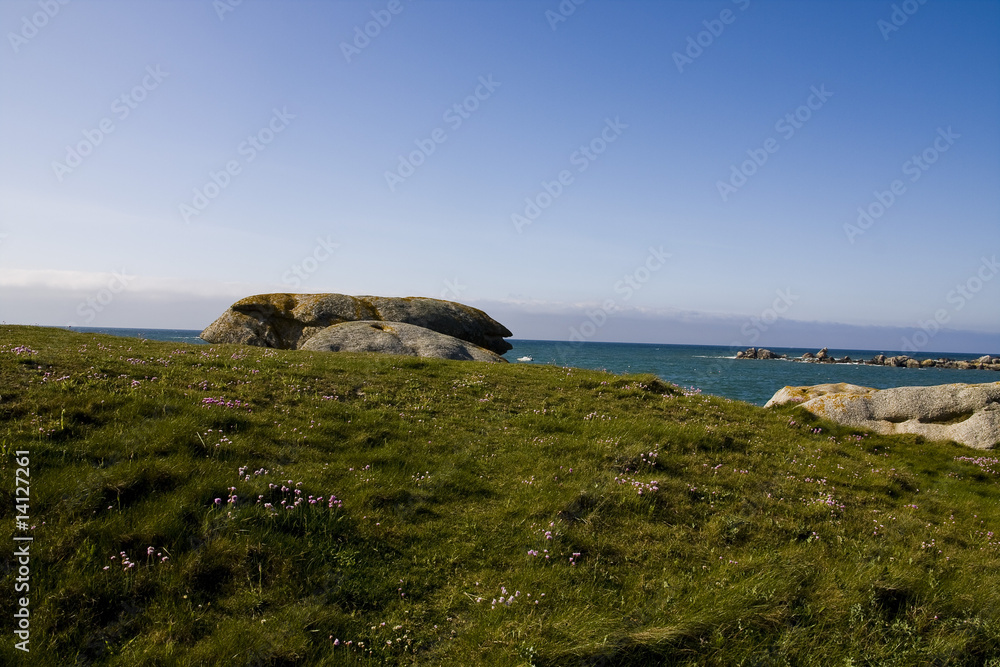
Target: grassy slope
{"points": [[706, 531]]}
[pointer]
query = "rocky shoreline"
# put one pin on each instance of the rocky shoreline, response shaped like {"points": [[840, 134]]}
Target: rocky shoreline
{"points": [[986, 362]]}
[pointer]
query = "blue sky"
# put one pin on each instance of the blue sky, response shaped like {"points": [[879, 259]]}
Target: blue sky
{"points": [[713, 158]]}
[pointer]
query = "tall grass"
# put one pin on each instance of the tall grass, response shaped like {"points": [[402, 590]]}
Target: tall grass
{"points": [[199, 505]]}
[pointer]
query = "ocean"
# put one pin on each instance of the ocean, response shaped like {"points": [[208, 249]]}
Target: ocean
{"points": [[711, 368]]}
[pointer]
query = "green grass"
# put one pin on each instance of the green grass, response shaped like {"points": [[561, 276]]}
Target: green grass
{"points": [[760, 537]]}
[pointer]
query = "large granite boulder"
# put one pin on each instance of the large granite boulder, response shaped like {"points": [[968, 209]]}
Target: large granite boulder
{"points": [[966, 413], [287, 321], [395, 338]]}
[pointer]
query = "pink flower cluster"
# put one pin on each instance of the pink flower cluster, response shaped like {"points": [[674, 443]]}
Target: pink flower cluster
{"points": [[508, 599], [129, 564], [639, 486], [827, 500], [221, 402], [986, 464], [290, 488]]}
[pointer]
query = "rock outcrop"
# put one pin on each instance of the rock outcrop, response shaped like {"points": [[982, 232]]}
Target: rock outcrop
{"points": [[396, 338], [966, 413], [985, 362], [288, 321], [755, 353]]}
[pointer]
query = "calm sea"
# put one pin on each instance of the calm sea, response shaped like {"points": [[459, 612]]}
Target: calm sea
{"points": [[713, 369]]}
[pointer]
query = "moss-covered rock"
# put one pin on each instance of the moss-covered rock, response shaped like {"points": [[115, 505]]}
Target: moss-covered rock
{"points": [[288, 321]]}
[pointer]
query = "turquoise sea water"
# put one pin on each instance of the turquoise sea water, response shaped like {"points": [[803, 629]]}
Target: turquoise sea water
{"points": [[713, 369]]}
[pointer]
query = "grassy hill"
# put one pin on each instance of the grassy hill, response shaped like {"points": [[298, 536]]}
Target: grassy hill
{"points": [[223, 505]]}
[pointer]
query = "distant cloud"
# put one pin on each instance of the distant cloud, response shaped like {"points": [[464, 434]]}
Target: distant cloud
{"points": [[57, 298], [563, 321], [83, 281]]}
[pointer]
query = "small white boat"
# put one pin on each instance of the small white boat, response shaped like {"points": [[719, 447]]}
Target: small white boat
{"points": [[524, 359]]}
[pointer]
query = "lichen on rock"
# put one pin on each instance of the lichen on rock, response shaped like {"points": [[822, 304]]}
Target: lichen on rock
{"points": [[965, 413], [289, 321]]}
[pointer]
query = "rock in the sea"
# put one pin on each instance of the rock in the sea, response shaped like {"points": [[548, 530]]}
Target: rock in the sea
{"points": [[966, 413], [395, 338], [808, 355], [823, 354], [928, 363], [287, 321], [755, 353]]}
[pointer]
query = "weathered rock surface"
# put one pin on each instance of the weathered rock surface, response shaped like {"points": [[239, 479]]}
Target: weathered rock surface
{"points": [[395, 338], [966, 413], [287, 321], [755, 353]]}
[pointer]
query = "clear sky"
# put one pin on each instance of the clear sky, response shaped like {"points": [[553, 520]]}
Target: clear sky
{"points": [[675, 172]]}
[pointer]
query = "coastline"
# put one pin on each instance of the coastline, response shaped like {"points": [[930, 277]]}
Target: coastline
{"points": [[712, 369], [983, 362]]}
